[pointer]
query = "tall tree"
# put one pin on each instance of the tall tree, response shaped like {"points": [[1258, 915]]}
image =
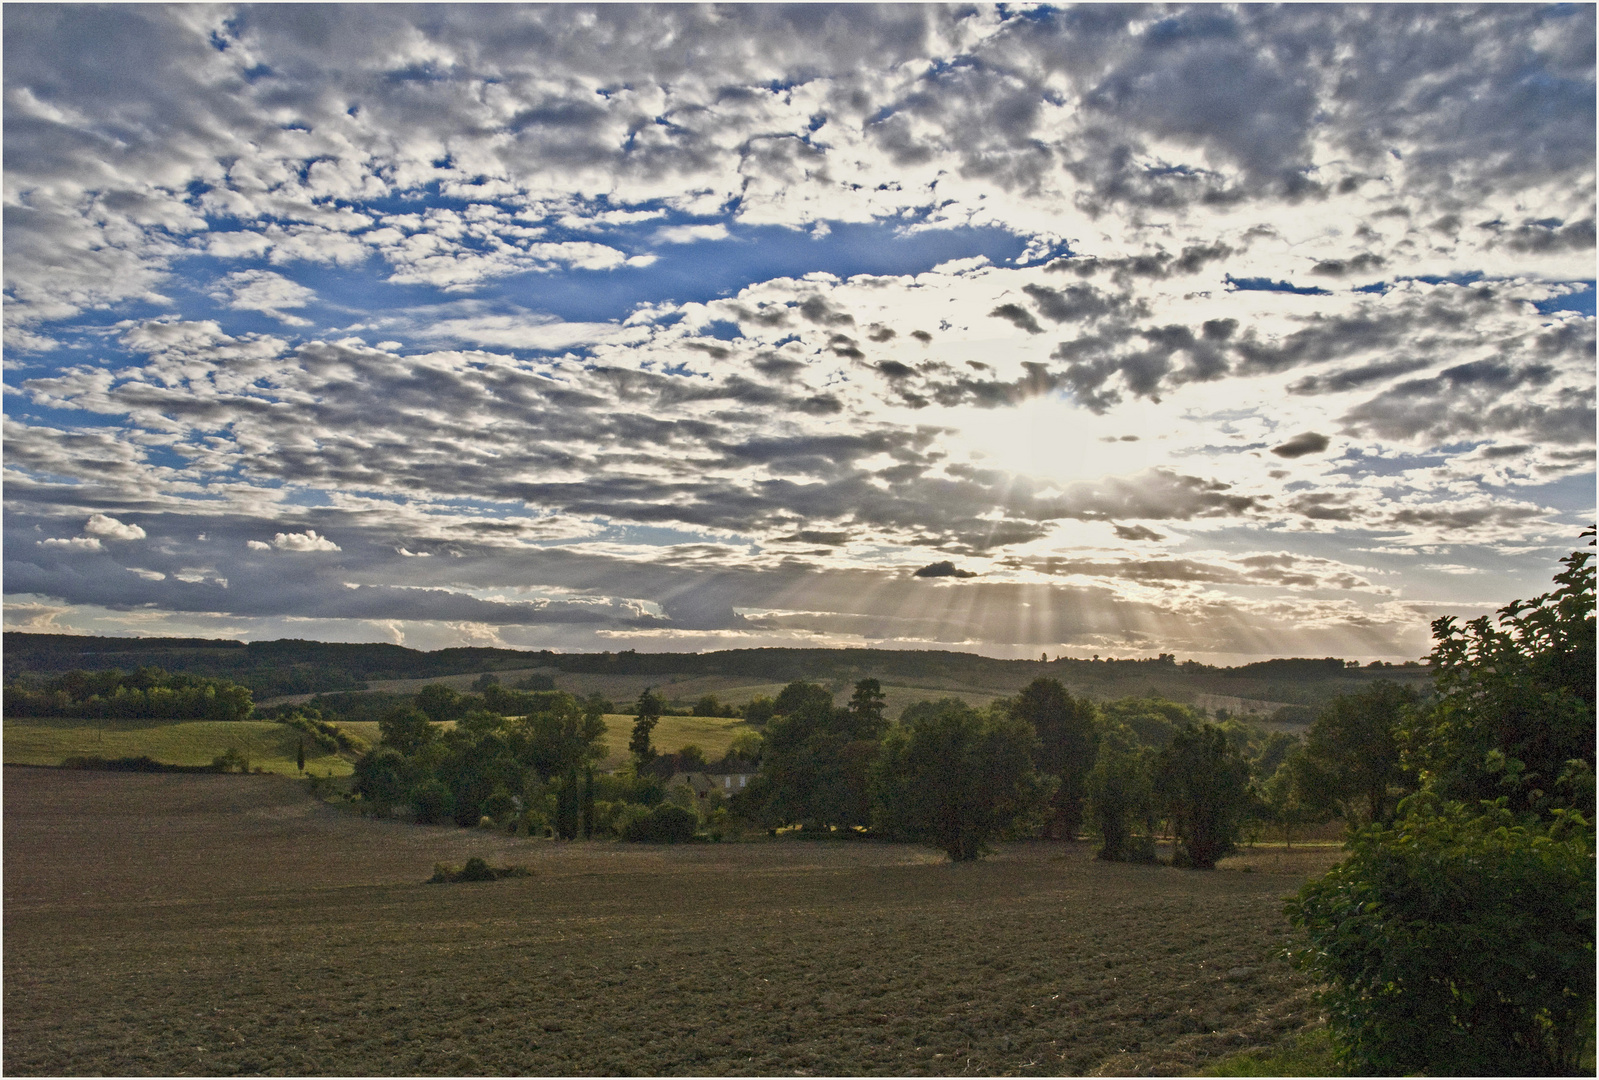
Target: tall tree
{"points": [[1352, 742], [1202, 784], [650, 705], [1067, 743], [957, 780]]}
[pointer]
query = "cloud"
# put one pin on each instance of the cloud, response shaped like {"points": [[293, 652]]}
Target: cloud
{"points": [[689, 234], [1310, 442], [943, 569], [979, 250], [306, 541], [111, 529], [265, 291], [76, 543]]}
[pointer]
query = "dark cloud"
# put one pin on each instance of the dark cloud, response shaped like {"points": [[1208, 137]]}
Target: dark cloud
{"points": [[943, 569], [1309, 442], [1137, 532], [1018, 316]]}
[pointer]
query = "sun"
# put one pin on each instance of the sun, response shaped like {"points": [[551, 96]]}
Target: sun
{"points": [[1051, 438]]}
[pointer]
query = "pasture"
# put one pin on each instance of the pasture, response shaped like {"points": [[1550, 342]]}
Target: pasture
{"points": [[175, 924], [270, 746]]}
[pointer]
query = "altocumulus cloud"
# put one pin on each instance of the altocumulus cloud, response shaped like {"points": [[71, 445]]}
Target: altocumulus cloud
{"points": [[728, 340]]}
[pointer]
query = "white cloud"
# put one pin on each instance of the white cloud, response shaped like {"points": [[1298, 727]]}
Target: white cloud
{"points": [[76, 543], [112, 529], [688, 234], [258, 545], [306, 541], [265, 291]]}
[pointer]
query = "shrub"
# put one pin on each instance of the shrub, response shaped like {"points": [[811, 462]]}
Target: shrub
{"points": [[231, 760], [666, 824], [1457, 943], [476, 869]]}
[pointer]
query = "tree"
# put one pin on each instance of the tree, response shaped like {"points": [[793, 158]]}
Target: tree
{"points": [[1296, 794], [1352, 743], [1202, 785], [708, 706], [439, 702], [957, 780], [587, 808], [1120, 806], [406, 730], [817, 759], [760, 710], [866, 707], [650, 705], [1067, 743], [1515, 708], [299, 759]]}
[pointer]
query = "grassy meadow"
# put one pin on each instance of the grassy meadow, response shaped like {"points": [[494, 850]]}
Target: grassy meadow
{"points": [[270, 746], [173, 924]]}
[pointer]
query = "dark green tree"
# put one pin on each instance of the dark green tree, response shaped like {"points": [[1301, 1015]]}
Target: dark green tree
{"points": [[299, 759], [958, 780], [1120, 802], [1067, 743], [1202, 786], [1457, 942], [816, 759], [440, 703], [380, 778], [568, 807], [1352, 743], [650, 705], [406, 730], [866, 709], [587, 808]]}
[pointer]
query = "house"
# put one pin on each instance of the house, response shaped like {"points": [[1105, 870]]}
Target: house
{"points": [[729, 781]]}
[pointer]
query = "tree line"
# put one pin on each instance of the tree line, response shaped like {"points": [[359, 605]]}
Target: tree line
{"points": [[146, 694]]}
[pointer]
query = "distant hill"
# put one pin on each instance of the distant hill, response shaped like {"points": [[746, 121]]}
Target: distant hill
{"points": [[292, 666]]}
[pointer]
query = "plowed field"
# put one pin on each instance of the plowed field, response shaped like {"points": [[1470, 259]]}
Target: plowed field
{"points": [[169, 924]]}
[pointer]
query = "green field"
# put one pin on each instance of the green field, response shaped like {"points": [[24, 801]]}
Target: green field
{"points": [[273, 747], [713, 734], [270, 746]]}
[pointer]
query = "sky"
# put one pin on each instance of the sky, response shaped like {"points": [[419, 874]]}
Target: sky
{"points": [[1095, 330]]}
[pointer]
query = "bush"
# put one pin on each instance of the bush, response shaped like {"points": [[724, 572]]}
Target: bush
{"points": [[1457, 943], [666, 824], [476, 869], [231, 760]]}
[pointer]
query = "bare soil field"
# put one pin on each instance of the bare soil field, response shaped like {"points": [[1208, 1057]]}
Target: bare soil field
{"points": [[195, 924]]}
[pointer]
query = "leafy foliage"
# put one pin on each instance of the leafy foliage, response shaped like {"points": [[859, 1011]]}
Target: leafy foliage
{"points": [[1460, 938], [1202, 784], [666, 824], [1068, 739], [817, 759], [147, 694], [1515, 700], [1354, 752], [1457, 943], [957, 780], [1121, 806]]}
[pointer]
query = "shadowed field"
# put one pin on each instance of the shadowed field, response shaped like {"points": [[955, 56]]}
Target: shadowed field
{"points": [[167, 924]]}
